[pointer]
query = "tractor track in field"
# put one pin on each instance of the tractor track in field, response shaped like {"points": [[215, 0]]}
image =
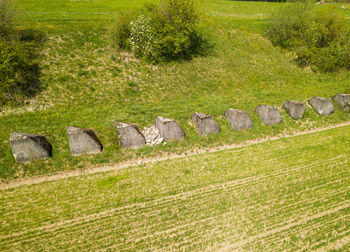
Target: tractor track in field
{"points": [[93, 221], [208, 191], [133, 163]]}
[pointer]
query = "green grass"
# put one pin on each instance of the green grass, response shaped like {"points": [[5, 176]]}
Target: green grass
{"points": [[284, 195], [87, 83]]}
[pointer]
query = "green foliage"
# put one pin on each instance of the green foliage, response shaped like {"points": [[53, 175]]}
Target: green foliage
{"points": [[142, 37], [10, 63], [290, 24], [332, 44], [19, 51], [6, 19], [331, 27], [169, 31], [118, 88], [121, 32], [320, 39], [19, 67], [177, 27]]}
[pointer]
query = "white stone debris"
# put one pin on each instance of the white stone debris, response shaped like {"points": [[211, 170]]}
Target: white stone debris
{"points": [[152, 136]]}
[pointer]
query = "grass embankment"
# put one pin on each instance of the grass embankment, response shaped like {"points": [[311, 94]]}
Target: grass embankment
{"points": [[88, 84], [288, 194]]}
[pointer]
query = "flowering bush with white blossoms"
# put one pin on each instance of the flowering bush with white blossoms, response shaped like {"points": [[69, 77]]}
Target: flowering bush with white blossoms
{"points": [[169, 31], [141, 36]]}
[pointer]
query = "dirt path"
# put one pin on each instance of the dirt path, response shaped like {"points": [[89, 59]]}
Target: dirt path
{"points": [[130, 163]]}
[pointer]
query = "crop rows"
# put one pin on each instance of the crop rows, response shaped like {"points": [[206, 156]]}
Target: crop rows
{"points": [[276, 202], [164, 224], [94, 208]]}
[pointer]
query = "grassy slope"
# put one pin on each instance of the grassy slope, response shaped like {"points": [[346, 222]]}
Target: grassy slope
{"points": [[285, 195], [88, 84]]}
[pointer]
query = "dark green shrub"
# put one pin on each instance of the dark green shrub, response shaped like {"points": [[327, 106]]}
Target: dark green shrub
{"points": [[176, 30], [331, 27], [320, 39], [329, 58], [347, 57], [169, 31], [291, 23]]}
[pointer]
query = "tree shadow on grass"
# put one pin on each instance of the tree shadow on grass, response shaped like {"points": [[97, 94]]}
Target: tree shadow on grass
{"points": [[20, 66], [32, 42]]}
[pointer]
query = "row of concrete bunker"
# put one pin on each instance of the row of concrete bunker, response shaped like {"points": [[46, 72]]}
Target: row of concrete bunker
{"points": [[29, 147]]}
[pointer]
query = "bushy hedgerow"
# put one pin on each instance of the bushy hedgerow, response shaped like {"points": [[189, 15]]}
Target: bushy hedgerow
{"points": [[319, 39], [19, 60], [168, 31]]}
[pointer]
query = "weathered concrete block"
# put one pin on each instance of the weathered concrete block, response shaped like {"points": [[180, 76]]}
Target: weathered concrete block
{"points": [[205, 124], [129, 135], [269, 115], [343, 101], [238, 119], [29, 147], [83, 141], [295, 109], [169, 129], [322, 105]]}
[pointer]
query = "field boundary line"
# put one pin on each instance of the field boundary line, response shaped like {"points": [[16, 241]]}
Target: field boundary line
{"points": [[137, 162]]}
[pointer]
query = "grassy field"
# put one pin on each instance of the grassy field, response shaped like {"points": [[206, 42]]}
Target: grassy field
{"points": [[290, 194], [87, 83]]}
